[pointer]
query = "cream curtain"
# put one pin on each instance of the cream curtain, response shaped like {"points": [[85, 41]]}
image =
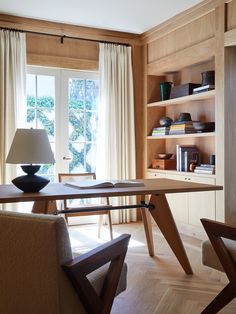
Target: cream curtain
{"points": [[116, 138], [12, 94]]}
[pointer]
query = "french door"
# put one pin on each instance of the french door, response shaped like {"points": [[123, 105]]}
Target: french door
{"points": [[65, 103]]}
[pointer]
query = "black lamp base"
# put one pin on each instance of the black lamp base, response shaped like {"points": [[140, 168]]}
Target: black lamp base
{"points": [[30, 182]]}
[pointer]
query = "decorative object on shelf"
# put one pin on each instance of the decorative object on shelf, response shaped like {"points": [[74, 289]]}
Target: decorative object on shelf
{"points": [[164, 164], [198, 126], [164, 156], [184, 116], [30, 146], [165, 121], [212, 159], [183, 90], [165, 88], [192, 165], [204, 126], [208, 78]]}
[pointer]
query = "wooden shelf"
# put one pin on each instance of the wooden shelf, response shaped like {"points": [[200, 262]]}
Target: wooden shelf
{"points": [[230, 38], [181, 173], [162, 137], [184, 99], [183, 58]]}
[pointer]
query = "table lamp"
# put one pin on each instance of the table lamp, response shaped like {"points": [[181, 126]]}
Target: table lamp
{"points": [[30, 147]]}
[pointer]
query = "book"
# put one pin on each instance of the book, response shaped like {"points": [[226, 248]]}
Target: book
{"points": [[205, 168], [99, 184], [203, 88], [182, 128], [185, 154], [160, 131], [204, 171]]}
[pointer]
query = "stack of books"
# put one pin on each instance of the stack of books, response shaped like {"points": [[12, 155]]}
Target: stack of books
{"points": [[185, 154], [182, 127], [160, 131], [203, 88], [205, 169]]}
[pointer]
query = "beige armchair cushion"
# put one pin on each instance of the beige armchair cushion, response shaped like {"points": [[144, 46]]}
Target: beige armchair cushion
{"points": [[32, 250], [209, 257]]}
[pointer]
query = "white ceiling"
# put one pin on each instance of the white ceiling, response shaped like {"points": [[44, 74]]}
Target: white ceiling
{"points": [[135, 16]]}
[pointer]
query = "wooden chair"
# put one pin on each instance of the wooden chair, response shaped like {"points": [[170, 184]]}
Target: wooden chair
{"points": [[220, 253], [39, 273], [102, 202]]}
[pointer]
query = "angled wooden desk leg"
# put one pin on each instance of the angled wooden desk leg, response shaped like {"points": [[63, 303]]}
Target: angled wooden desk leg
{"points": [[148, 228], [44, 207], [165, 221]]}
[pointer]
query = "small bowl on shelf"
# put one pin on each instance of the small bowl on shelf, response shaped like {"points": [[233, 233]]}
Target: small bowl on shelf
{"points": [[165, 121], [164, 156], [204, 126]]}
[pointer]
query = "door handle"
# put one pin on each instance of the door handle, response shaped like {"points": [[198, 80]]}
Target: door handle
{"points": [[67, 158]]}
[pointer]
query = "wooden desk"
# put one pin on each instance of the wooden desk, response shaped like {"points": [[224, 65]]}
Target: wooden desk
{"points": [[157, 188]]}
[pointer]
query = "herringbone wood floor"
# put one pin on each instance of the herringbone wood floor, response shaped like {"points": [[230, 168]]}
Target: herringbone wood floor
{"points": [[158, 285]]}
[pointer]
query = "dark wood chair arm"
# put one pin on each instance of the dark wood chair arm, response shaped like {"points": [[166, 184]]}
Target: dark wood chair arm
{"points": [[216, 231], [77, 270], [219, 229]]}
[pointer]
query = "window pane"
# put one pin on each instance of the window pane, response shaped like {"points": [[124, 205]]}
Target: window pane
{"points": [[91, 94], [31, 122], [76, 126], [46, 120], [31, 89], [45, 91], [91, 150], [76, 94], [91, 126], [77, 152]]}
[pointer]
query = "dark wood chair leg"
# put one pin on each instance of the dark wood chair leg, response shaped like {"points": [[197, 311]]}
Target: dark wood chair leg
{"points": [[77, 270], [222, 299], [216, 231]]}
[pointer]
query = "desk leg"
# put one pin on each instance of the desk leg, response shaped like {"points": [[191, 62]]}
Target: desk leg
{"points": [[148, 229], [44, 207], [165, 221]]}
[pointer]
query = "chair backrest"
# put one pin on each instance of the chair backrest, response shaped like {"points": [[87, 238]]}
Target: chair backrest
{"points": [[32, 249], [70, 177], [73, 177]]}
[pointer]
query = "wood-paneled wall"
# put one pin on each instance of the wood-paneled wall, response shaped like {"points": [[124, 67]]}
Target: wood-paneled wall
{"points": [[72, 54], [198, 30]]}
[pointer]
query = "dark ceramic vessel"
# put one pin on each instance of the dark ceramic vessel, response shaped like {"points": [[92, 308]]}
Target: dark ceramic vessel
{"points": [[165, 121], [185, 116]]}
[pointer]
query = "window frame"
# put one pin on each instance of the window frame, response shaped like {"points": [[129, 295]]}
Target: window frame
{"points": [[62, 77]]}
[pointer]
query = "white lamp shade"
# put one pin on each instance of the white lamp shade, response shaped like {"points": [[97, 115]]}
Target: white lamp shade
{"points": [[30, 146]]}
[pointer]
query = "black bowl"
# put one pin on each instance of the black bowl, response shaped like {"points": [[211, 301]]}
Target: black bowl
{"points": [[164, 156], [184, 116], [165, 121], [204, 126]]}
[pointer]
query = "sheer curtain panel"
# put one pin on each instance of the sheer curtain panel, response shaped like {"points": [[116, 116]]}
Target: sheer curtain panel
{"points": [[116, 148], [12, 93]]}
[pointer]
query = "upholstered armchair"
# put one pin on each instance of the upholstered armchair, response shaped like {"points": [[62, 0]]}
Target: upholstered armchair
{"points": [[219, 252], [38, 273]]}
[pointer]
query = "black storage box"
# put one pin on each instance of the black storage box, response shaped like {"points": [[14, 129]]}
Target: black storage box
{"points": [[183, 90]]}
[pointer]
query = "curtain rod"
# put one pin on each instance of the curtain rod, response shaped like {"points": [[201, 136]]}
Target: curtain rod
{"points": [[62, 37]]}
